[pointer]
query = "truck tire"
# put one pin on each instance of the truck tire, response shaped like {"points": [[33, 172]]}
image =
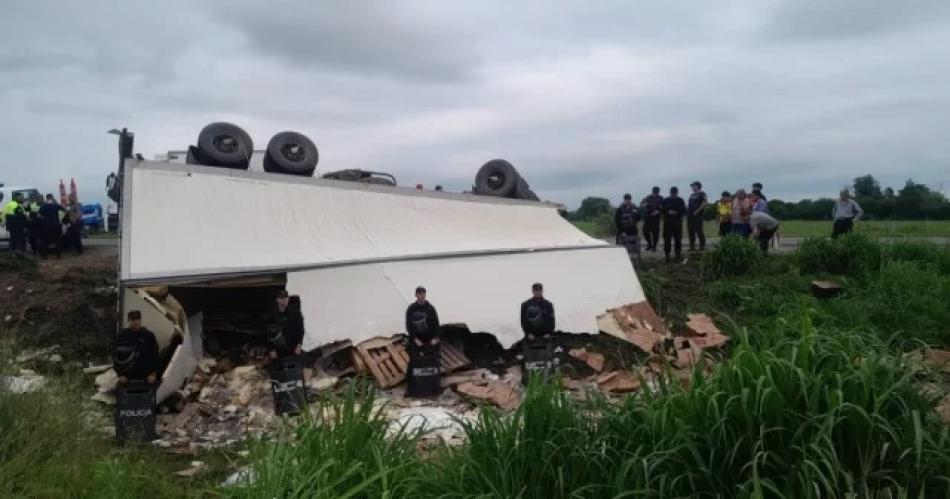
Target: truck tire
{"points": [[291, 153], [522, 191], [225, 144], [496, 178]]}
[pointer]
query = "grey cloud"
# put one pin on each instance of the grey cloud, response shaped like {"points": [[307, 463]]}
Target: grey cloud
{"points": [[375, 38], [810, 20]]}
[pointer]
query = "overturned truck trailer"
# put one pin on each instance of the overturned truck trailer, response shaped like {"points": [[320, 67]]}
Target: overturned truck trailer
{"points": [[354, 253]]}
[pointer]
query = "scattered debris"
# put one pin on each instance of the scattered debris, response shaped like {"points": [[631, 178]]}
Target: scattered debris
{"points": [[96, 369], [436, 422], [825, 289], [26, 382], [707, 334], [195, 468], [618, 382], [935, 359], [55, 358], [240, 478], [31, 355], [498, 393], [105, 387], [322, 383], [636, 323], [387, 360], [592, 359], [701, 324]]}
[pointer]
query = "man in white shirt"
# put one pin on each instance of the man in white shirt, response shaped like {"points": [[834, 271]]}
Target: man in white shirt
{"points": [[845, 212]]}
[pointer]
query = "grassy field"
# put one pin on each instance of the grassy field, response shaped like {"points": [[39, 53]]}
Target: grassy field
{"points": [[813, 399], [812, 228]]}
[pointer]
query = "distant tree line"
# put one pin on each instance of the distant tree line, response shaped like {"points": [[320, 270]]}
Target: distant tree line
{"points": [[913, 202]]}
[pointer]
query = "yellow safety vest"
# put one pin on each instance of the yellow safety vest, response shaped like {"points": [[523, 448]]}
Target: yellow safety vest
{"points": [[11, 208]]}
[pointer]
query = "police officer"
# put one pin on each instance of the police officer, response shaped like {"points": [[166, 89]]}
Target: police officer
{"points": [[537, 315], [15, 219], [650, 207], [422, 322], [51, 229], [626, 218], [135, 352], [285, 329], [694, 218], [673, 210]]}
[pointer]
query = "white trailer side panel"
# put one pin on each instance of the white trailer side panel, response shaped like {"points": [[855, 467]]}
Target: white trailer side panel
{"points": [[186, 220], [485, 292]]}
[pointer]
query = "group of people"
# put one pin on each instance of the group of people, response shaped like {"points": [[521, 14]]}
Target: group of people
{"points": [[40, 223], [745, 215]]}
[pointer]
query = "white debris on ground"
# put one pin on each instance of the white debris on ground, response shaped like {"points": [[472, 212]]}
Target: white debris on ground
{"points": [[26, 382], [222, 404]]}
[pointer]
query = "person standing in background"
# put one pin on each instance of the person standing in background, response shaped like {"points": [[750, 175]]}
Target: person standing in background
{"points": [[674, 208], [73, 237], [845, 212], [694, 217], [650, 209], [625, 219], [724, 214]]}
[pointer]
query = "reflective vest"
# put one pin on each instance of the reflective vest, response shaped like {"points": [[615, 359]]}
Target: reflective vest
{"points": [[11, 208]]}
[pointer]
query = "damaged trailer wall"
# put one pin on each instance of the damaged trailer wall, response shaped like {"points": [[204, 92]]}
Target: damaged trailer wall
{"points": [[359, 302], [246, 221]]}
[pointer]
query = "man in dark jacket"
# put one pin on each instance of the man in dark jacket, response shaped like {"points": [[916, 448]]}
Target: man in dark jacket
{"points": [[51, 228], [650, 208], [135, 352], [422, 321], [626, 218], [673, 210], [694, 217], [537, 314], [285, 326]]}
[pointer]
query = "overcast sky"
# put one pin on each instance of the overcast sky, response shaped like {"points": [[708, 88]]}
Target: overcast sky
{"points": [[589, 98]]}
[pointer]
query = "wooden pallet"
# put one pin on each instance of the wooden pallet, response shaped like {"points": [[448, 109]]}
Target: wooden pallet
{"points": [[388, 361]]}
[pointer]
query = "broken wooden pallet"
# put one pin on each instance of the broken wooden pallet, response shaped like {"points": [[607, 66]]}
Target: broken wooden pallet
{"points": [[388, 361]]}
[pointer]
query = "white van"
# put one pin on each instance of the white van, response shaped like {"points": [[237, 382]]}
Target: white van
{"points": [[6, 194]]}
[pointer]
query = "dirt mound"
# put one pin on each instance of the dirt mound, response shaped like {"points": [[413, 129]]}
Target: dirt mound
{"points": [[69, 302]]}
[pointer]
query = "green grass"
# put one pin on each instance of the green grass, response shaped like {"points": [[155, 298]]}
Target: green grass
{"points": [[813, 399], [51, 448], [818, 228]]}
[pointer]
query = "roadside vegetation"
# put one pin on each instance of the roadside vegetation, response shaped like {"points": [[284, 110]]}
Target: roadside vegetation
{"points": [[814, 398], [602, 227]]}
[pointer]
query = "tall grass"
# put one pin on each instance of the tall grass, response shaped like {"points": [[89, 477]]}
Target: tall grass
{"points": [[817, 414], [733, 256], [344, 449], [48, 448]]}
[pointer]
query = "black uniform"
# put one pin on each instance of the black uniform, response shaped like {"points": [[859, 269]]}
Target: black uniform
{"points": [[673, 211], [625, 220], [432, 323], [547, 317], [51, 229], [651, 223], [694, 222], [290, 324], [146, 348]]}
